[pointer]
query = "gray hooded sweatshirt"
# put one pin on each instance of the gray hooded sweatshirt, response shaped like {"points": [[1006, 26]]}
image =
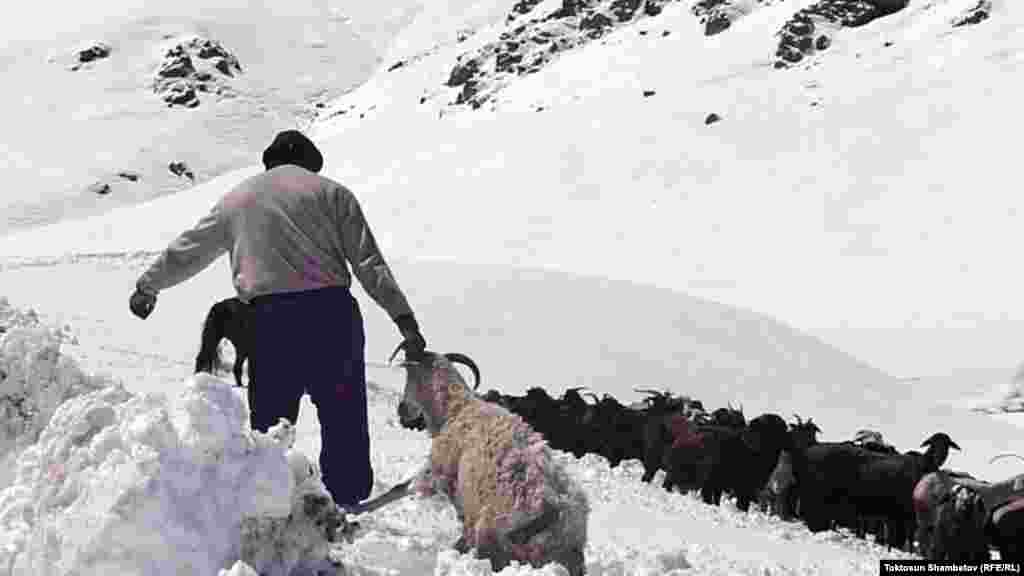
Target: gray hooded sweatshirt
{"points": [[286, 230]]}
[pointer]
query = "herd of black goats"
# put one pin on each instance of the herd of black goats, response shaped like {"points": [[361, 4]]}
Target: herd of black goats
{"points": [[863, 485]]}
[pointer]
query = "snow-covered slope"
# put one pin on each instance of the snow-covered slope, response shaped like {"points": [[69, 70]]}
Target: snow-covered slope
{"points": [[832, 194], [71, 127], [863, 188]]}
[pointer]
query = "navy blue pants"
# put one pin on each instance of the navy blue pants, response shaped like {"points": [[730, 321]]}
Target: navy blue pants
{"points": [[313, 341]]}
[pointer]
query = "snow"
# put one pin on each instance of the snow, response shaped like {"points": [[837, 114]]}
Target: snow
{"points": [[120, 483], [846, 219], [119, 478], [35, 378], [792, 258], [308, 55]]}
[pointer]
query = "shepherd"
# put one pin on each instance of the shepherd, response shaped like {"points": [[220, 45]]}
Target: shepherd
{"points": [[289, 232]]}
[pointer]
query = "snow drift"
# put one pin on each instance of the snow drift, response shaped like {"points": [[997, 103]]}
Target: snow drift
{"points": [[1006, 397], [120, 483], [35, 377]]}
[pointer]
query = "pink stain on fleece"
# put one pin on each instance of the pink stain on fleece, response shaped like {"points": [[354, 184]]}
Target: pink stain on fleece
{"points": [[521, 472], [437, 394], [683, 434], [313, 275], [55, 473], [921, 490], [1016, 504]]}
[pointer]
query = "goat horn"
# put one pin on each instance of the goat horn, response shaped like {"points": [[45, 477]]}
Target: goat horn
{"points": [[1006, 455], [648, 391], [458, 358], [575, 389], [592, 395], [401, 346]]}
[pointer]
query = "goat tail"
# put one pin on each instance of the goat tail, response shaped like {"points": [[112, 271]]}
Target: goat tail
{"points": [[1006, 455], [209, 350]]}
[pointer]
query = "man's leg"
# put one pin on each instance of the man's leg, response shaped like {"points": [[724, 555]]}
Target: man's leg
{"points": [[339, 393], [276, 345]]}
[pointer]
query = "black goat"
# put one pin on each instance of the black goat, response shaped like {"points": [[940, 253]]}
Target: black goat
{"points": [[619, 430], [740, 462], [1006, 530], [229, 319], [661, 408], [841, 482], [779, 495]]}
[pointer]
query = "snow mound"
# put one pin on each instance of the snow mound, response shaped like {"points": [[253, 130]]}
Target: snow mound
{"points": [[120, 483], [35, 377], [1005, 397]]}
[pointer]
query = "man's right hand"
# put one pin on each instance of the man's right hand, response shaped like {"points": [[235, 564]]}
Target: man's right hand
{"points": [[415, 344]]}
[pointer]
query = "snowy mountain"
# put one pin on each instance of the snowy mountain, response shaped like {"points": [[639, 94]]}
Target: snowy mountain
{"points": [[142, 109]]}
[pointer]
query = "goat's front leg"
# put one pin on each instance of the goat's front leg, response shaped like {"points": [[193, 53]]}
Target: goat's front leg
{"points": [[518, 526], [237, 370]]}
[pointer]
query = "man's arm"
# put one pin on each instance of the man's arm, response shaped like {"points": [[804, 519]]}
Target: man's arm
{"points": [[367, 262], [188, 254]]}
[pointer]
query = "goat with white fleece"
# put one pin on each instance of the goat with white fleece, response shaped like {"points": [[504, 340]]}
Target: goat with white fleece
{"points": [[515, 501]]}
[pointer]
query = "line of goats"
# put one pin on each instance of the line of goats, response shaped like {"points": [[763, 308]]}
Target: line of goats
{"points": [[863, 485]]}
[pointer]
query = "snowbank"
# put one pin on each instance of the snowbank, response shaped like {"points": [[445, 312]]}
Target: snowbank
{"points": [[120, 483], [1006, 397], [35, 377]]}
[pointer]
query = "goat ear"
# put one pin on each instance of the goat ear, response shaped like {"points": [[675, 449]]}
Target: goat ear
{"points": [[954, 445]]}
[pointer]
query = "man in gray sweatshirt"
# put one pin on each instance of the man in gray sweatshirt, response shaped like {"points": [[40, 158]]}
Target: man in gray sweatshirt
{"points": [[289, 233]]}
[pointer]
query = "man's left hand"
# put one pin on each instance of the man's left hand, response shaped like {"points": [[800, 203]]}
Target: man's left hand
{"points": [[142, 303]]}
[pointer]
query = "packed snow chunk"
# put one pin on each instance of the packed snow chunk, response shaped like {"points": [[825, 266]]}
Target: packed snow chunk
{"points": [[239, 569], [125, 484], [298, 543], [451, 563], [35, 377], [1005, 397]]}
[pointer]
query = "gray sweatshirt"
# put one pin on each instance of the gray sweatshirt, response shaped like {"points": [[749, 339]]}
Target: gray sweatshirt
{"points": [[286, 229]]}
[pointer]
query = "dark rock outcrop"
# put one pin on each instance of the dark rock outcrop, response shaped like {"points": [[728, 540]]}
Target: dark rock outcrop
{"points": [[532, 45], [715, 15], [92, 53], [975, 14], [462, 73], [109, 182], [181, 169], [197, 65], [808, 30], [521, 7], [711, 119], [623, 10], [99, 188]]}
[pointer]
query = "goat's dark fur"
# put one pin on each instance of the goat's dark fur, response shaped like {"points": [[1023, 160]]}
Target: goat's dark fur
{"points": [[226, 319]]}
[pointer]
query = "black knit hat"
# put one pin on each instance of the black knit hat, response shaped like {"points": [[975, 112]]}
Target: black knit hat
{"points": [[292, 147]]}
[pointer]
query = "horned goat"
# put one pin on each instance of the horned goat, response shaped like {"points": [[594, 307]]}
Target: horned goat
{"points": [[515, 501]]}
